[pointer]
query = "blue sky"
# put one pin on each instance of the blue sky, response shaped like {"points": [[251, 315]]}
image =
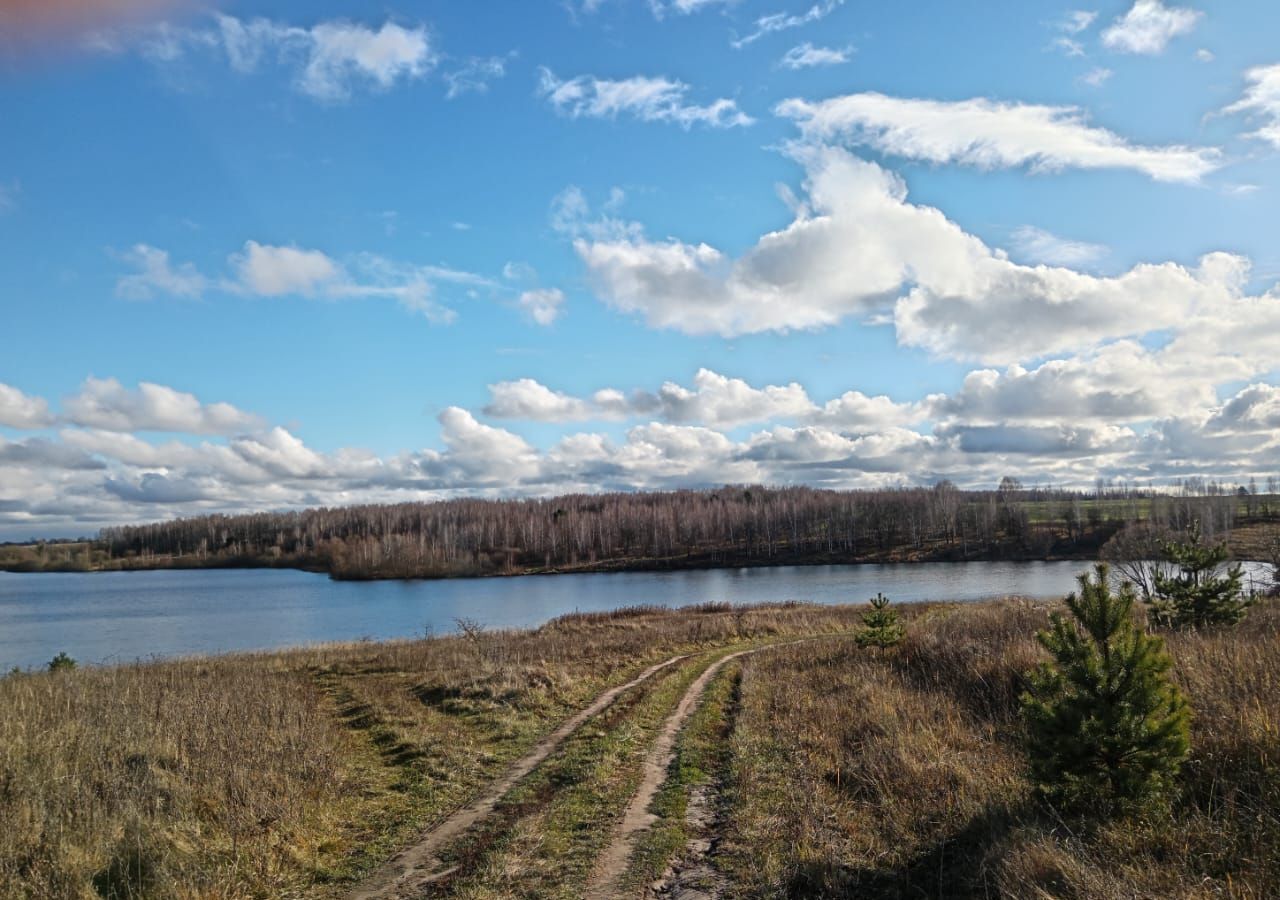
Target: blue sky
{"points": [[263, 255]]}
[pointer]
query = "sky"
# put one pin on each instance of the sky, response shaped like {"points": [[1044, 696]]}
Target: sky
{"points": [[269, 255]]}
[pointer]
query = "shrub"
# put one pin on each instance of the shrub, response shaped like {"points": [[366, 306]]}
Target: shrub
{"points": [[1107, 729], [61, 663], [880, 627], [1204, 591]]}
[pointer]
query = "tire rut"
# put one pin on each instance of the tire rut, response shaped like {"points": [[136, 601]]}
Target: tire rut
{"points": [[414, 869], [612, 863]]}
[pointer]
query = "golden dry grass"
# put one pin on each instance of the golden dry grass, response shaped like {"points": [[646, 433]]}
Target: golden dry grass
{"points": [[900, 774], [848, 772], [285, 775]]}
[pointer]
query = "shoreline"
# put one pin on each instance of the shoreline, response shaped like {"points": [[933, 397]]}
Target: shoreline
{"points": [[702, 562]]}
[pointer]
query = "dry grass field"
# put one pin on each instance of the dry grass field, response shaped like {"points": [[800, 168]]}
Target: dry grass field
{"points": [[812, 769], [899, 773]]}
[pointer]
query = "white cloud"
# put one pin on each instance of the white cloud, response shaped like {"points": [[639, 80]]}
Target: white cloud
{"points": [[17, 410], [856, 411], [156, 275], [1077, 20], [1122, 382], [108, 405], [782, 21], [990, 134], [721, 402], [1204, 56], [1261, 100], [543, 306], [268, 270], [714, 401], [1097, 77], [858, 247], [661, 8], [1035, 245], [648, 99], [1148, 27], [479, 454], [271, 271], [344, 53], [807, 56], [475, 75], [1059, 439], [329, 60], [1254, 408], [529, 400], [1066, 421], [280, 453], [1069, 46]]}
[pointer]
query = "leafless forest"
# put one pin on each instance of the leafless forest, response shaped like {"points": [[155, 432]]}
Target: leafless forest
{"points": [[726, 526]]}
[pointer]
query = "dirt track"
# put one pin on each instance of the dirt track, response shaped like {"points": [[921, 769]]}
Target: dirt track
{"points": [[411, 870], [637, 818]]}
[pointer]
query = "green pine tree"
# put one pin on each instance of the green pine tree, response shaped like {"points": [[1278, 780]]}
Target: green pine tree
{"points": [[880, 627], [1107, 729], [62, 663], [1204, 591]]}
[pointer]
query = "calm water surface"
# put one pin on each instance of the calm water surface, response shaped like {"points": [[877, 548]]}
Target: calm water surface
{"points": [[122, 616]]}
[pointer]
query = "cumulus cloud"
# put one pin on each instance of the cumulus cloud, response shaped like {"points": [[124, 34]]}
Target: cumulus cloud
{"points": [[720, 402], [90, 476], [271, 271], [991, 135], [17, 410], [1255, 408], [105, 403], [647, 99], [807, 56], [157, 275], [533, 401], [1059, 439], [714, 401], [1261, 101], [1149, 26], [1122, 382], [479, 454], [782, 21], [857, 247]]}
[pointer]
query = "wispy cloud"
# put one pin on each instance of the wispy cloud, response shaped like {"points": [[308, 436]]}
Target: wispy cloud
{"points": [[1261, 100], [647, 99], [1149, 26], [286, 270], [1035, 245], [474, 75], [991, 134], [807, 56], [1097, 76], [782, 21], [156, 275], [329, 60]]}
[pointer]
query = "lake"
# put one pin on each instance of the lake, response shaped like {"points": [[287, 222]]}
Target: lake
{"points": [[112, 617]]}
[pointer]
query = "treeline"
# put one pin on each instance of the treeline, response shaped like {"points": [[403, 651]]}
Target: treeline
{"points": [[727, 526]]}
